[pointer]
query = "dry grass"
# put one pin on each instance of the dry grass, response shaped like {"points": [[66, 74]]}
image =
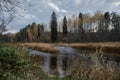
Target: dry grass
{"points": [[109, 47], [91, 47], [62, 44], [105, 47], [37, 60], [97, 71], [44, 47]]}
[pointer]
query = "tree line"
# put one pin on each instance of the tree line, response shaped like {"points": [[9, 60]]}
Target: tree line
{"points": [[100, 27]]}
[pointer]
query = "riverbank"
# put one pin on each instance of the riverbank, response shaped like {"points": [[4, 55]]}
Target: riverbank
{"points": [[106, 47], [79, 70], [109, 47], [43, 47]]}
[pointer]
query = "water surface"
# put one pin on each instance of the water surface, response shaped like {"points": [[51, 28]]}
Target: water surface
{"points": [[62, 63]]}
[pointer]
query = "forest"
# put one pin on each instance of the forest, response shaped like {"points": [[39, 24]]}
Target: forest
{"points": [[101, 27]]}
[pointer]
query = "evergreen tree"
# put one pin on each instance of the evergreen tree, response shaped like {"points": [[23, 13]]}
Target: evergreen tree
{"points": [[116, 21], [116, 24], [65, 32], [107, 20], [80, 26], [41, 32], [53, 26]]}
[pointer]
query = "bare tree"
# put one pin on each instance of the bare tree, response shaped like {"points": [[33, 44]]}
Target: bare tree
{"points": [[4, 22], [9, 5], [7, 12]]}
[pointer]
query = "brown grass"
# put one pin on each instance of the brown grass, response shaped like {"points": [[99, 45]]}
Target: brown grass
{"points": [[44, 47], [105, 47], [84, 46], [62, 44], [97, 71], [109, 47]]}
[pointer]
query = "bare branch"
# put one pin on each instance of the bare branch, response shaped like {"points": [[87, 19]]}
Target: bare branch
{"points": [[9, 7], [4, 22]]}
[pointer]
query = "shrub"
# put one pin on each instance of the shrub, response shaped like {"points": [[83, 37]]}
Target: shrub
{"points": [[12, 63]]}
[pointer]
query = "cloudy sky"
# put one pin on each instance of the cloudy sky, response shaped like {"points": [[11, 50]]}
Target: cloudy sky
{"points": [[39, 11]]}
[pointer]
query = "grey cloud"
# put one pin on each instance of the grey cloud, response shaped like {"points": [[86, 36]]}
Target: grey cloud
{"points": [[40, 10]]}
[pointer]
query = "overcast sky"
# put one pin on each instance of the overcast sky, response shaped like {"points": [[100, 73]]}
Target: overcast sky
{"points": [[39, 11]]}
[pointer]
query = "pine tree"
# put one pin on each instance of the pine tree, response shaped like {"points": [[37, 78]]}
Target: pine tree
{"points": [[80, 26], [65, 32], [107, 20], [53, 26], [41, 32]]}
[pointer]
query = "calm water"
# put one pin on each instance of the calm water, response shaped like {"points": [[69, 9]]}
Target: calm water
{"points": [[61, 63]]}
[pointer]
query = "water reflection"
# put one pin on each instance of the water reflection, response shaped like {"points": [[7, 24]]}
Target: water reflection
{"points": [[55, 63], [67, 57]]}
